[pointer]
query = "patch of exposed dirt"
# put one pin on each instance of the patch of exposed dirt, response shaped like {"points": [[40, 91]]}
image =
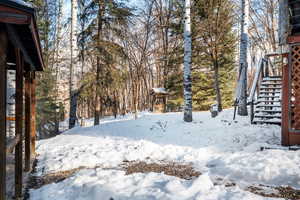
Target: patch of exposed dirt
{"points": [[36, 182], [184, 171], [287, 192], [264, 191], [276, 192]]}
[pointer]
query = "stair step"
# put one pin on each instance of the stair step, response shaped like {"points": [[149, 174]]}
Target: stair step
{"points": [[267, 111], [269, 96], [270, 88], [268, 106], [269, 101], [267, 116], [275, 122], [273, 78], [268, 83], [264, 91]]}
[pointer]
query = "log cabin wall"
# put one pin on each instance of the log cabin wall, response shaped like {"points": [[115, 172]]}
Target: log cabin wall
{"points": [[19, 46], [16, 144]]}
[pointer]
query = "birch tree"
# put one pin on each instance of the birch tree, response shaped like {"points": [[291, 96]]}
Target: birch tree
{"points": [[56, 59], [11, 90], [187, 81], [73, 98], [243, 64]]}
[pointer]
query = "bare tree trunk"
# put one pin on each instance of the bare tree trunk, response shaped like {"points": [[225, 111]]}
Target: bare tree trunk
{"points": [[242, 106], [57, 61], [98, 71], [217, 86], [73, 96], [187, 64], [135, 103], [115, 105]]}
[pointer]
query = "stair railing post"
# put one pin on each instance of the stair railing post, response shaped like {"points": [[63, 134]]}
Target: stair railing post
{"points": [[254, 88], [252, 111], [267, 68]]}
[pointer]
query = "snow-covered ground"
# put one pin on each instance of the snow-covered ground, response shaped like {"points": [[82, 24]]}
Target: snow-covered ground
{"points": [[219, 148]]}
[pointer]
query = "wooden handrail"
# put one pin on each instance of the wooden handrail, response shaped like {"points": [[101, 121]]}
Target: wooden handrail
{"points": [[12, 144], [256, 79], [259, 70]]}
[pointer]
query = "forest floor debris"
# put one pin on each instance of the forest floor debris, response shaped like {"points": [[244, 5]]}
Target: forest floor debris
{"points": [[184, 171]]}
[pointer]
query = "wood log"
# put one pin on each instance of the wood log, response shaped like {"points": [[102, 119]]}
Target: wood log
{"points": [[27, 121], [3, 54], [19, 124], [33, 113]]}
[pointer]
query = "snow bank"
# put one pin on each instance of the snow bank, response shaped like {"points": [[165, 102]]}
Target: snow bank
{"points": [[217, 147], [112, 184]]}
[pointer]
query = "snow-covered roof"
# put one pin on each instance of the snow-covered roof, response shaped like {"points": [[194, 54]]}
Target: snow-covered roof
{"points": [[23, 3], [160, 90]]}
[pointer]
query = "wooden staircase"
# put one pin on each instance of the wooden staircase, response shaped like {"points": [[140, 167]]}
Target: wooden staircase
{"points": [[267, 107]]}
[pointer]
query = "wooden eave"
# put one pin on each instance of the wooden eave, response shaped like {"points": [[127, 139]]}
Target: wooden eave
{"points": [[293, 39], [22, 20], [10, 15]]}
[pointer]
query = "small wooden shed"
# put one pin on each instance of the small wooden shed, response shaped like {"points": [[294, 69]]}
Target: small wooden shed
{"points": [[20, 50], [159, 99]]}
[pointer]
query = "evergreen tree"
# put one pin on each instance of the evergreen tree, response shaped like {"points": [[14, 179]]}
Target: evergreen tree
{"points": [[47, 106], [213, 43]]}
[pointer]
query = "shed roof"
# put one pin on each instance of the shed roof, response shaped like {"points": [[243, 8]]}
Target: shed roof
{"points": [[18, 18], [160, 91]]}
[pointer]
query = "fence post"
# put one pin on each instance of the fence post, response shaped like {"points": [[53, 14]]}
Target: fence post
{"points": [[251, 111], [285, 106]]}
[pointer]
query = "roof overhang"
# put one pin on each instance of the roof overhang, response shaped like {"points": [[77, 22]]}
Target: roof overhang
{"points": [[22, 31]]}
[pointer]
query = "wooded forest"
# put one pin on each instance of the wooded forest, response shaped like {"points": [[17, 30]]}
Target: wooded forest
{"points": [[150, 99], [103, 57]]}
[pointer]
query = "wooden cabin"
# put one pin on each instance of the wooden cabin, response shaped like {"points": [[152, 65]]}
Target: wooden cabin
{"points": [[278, 91], [20, 50], [290, 40], [159, 99]]}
